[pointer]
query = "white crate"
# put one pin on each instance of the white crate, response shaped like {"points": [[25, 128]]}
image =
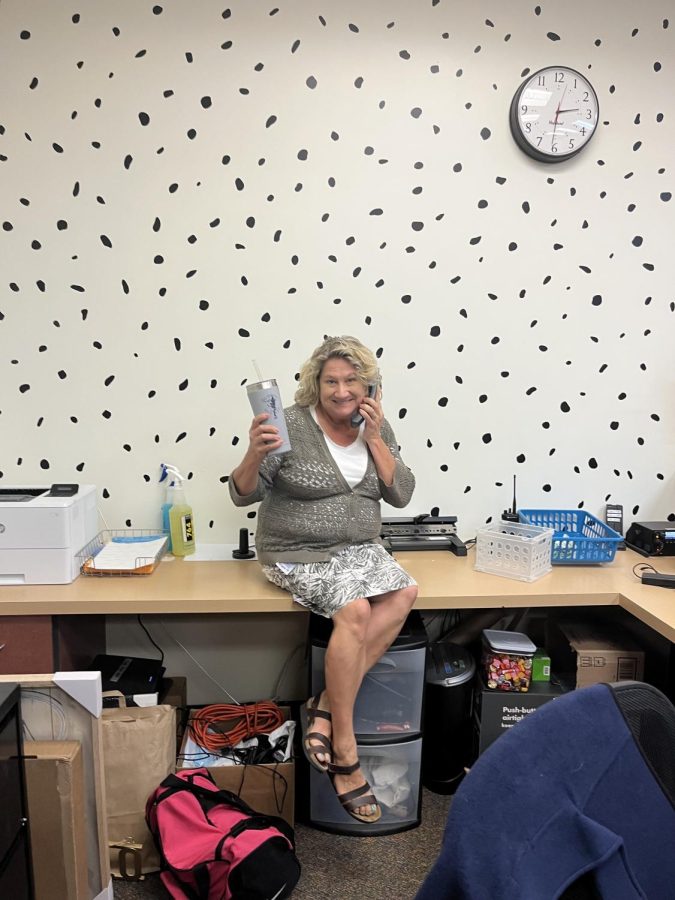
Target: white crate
{"points": [[515, 551]]}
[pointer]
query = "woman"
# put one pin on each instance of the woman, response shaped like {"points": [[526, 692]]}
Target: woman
{"points": [[318, 538]]}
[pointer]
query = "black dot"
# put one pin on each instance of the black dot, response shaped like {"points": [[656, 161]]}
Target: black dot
{"points": [[487, 437], [485, 133], [435, 330], [24, 35], [565, 407], [143, 118]]}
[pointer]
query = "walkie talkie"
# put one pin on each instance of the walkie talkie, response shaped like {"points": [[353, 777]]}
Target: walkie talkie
{"points": [[511, 515]]}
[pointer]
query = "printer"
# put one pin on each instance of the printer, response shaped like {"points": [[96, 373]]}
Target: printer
{"points": [[42, 531]]}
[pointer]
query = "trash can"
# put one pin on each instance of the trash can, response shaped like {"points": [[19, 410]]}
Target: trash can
{"points": [[447, 738]]}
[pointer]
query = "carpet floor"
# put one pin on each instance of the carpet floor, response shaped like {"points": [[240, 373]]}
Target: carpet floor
{"points": [[337, 867]]}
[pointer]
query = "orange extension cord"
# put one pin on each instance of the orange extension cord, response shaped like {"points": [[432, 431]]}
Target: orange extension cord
{"points": [[223, 725]]}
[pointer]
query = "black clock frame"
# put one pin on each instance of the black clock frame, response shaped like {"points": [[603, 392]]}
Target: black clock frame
{"points": [[520, 138]]}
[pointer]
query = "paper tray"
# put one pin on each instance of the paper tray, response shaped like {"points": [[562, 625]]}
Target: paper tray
{"points": [[136, 562]]}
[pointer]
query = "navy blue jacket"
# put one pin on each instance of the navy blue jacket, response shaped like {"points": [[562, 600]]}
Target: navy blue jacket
{"points": [[564, 792]]}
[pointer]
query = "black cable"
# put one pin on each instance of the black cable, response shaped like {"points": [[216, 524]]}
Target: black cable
{"points": [[156, 646], [642, 567]]}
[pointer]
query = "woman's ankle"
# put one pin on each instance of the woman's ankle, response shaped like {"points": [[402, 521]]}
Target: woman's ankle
{"points": [[345, 753]]}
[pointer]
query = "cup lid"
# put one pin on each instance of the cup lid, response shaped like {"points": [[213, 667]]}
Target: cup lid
{"points": [[262, 385]]}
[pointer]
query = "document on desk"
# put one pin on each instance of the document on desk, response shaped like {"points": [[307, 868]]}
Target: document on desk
{"points": [[127, 556]]}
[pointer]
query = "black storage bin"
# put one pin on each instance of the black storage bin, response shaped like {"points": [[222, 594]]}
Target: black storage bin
{"points": [[448, 734]]}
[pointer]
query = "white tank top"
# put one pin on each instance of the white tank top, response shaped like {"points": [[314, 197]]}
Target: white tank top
{"points": [[352, 461]]}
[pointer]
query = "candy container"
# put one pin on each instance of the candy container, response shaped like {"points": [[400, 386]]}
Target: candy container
{"points": [[507, 660]]}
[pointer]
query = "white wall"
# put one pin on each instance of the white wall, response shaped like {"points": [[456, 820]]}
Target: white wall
{"points": [[130, 310]]}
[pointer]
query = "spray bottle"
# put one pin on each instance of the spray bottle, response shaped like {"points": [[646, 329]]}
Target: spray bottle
{"points": [[168, 475], [181, 522]]}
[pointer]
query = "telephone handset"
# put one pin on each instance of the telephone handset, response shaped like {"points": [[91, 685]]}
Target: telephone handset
{"points": [[357, 418]]}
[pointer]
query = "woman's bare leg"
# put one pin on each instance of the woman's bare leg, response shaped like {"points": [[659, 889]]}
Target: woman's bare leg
{"points": [[344, 668], [388, 613]]}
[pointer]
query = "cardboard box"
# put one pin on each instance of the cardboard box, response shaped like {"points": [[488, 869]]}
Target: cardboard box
{"points": [[267, 788], [173, 691], [496, 711], [590, 653], [55, 789]]}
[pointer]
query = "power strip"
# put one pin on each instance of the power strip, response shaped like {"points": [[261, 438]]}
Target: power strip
{"points": [[658, 580]]}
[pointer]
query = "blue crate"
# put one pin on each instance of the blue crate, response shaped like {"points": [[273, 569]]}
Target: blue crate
{"points": [[579, 539]]}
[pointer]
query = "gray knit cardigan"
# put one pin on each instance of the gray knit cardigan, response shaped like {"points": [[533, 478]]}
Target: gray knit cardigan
{"points": [[308, 511]]}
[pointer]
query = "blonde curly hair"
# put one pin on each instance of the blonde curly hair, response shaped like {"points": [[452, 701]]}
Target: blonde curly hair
{"points": [[343, 347]]}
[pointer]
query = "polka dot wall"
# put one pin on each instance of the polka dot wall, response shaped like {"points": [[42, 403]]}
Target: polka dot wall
{"points": [[188, 187]]}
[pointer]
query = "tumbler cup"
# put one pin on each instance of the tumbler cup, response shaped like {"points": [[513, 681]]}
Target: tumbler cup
{"points": [[264, 397]]}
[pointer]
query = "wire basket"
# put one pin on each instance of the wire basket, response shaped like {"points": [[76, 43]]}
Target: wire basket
{"points": [[514, 550], [137, 563], [579, 539]]}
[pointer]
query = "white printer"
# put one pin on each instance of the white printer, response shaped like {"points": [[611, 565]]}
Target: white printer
{"points": [[42, 530]]}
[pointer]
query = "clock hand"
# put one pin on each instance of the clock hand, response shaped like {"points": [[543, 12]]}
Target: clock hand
{"points": [[557, 112], [572, 109]]}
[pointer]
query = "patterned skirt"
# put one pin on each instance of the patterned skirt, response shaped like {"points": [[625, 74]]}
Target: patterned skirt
{"points": [[360, 570]]}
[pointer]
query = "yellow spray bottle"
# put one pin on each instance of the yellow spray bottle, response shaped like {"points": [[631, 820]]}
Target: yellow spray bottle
{"points": [[181, 521]]}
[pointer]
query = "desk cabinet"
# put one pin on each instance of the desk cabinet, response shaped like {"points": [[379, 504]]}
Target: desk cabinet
{"points": [[45, 644]]}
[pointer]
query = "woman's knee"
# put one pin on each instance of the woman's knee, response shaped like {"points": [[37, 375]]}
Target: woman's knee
{"points": [[406, 598], [411, 594], [354, 617]]}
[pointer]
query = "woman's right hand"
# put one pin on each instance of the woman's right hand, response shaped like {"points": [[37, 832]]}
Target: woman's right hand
{"points": [[262, 438]]}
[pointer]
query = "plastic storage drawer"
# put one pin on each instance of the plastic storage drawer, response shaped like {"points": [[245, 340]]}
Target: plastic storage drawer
{"points": [[389, 702], [394, 773]]}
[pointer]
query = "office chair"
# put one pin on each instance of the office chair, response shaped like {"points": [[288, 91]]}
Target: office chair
{"points": [[576, 802]]}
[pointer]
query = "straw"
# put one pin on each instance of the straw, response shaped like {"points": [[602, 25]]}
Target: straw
{"points": [[257, 370]]}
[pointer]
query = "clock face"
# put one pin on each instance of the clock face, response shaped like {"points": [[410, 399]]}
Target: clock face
{"points": [[554, 114]]}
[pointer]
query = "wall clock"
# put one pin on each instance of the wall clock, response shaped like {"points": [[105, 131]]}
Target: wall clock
{"points": [[554, 114]]}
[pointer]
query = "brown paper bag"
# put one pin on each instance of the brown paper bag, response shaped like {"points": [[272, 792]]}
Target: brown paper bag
{"points": [[139, 751]]}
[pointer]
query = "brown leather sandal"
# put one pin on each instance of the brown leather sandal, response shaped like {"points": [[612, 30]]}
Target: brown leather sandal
{"points": [[360, 796], [314, 742]]}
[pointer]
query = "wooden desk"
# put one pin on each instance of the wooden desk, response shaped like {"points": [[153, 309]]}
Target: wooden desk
{"points": [[445, 582]]}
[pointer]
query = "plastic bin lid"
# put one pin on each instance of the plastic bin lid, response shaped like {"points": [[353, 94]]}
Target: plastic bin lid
{"points": [[449, 664], [508, 642]]}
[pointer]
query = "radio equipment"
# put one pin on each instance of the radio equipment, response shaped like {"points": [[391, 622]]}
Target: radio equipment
{"points": [[652, 538], [423, 532]]}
